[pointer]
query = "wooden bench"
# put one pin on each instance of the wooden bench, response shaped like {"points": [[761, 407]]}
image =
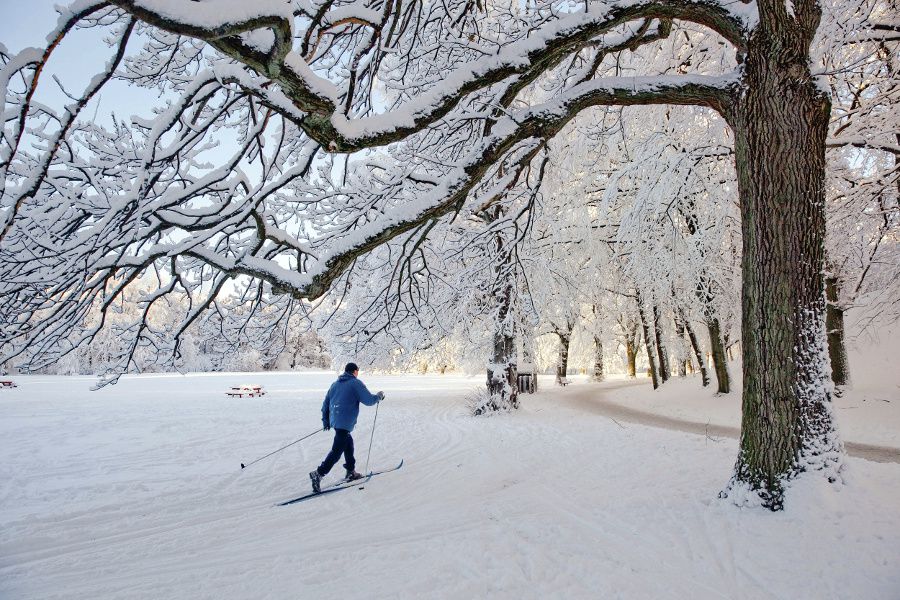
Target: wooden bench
{"points": [[251, 391], [7, 383], [563, 381]]}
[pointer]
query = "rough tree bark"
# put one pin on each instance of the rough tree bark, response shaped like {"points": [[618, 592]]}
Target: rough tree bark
{"points": [[629, 340], [683, 358], [598, 347], [834, 325], [780, 118], [720, 360], [664, 367], [698, 354], [562, 364], [631, 357], [502, 378], [648, 343], [598, 358]]}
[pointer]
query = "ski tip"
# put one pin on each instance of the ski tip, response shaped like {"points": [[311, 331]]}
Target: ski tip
{"points": [[373, 473]]}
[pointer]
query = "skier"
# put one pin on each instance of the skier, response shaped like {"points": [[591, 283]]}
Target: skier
{"points": [[340, 409]]}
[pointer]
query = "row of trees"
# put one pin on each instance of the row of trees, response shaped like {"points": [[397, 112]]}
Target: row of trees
{"points": [[222, 341], [400, 170]]}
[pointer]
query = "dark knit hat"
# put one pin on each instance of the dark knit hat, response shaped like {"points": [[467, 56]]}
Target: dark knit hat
{"points": [[350, 368]]}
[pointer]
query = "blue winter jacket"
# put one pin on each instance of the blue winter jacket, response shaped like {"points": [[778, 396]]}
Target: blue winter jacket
{"points": [[341, 406]]}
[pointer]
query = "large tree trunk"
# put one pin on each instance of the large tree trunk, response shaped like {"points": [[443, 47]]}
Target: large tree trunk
{"points": [[598, 358], [664, 371], [631, 357], [834, 325], [682, 358], [648, 344], [629, 339], [562, 363], [720, 360], [598, 346], [502, 379], [780, 118], [698, 352]]}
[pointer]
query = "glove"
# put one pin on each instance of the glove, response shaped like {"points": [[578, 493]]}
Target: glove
{"points": [[380, 396], [326, 426]]}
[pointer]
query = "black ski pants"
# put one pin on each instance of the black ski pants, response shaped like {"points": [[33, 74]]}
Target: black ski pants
{"points": [[343, 444]]}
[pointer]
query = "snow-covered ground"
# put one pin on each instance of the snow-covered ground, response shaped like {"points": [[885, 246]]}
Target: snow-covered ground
{"points": [[136, 491], [867, 411], [863, 415]]}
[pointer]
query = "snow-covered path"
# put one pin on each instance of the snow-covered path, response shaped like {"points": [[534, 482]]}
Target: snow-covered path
{"points": [[136, 492], [600, 399]]}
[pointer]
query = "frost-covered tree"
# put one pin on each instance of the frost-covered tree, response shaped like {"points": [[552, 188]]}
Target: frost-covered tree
{"points": [[863, 252], [673, 195]]}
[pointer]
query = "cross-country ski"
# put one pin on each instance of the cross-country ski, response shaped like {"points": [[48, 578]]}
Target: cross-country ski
{"points": [[339, 485]]}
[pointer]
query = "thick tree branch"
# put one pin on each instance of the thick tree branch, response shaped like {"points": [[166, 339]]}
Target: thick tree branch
{"points": [[540, 122], [523, 61]]}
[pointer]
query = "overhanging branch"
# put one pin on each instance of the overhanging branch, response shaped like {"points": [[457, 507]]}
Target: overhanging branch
{"points": [[539, 123], [521, 61]]}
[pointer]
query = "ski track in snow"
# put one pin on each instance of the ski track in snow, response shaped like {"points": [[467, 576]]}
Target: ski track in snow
{"points": [[136, 491]]}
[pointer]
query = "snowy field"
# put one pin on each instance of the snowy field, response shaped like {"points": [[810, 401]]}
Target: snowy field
{"points": [[867, 412], [136, 491], [864, 415]]}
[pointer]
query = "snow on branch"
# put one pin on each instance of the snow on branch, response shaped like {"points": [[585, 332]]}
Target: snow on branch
{"points": [[537, 123], [520, 60]]}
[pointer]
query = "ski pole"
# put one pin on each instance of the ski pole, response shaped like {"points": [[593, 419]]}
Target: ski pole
{"points": [[243, 466], [369, 453]]}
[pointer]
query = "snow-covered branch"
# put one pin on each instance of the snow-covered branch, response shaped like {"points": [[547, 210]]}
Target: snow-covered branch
{"points": [[512, 66]]}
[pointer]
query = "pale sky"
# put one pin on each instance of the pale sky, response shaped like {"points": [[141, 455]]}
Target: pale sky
{"points": [[25, 24], [81, 55]]}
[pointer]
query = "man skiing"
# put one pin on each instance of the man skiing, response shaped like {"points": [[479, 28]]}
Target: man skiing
{"points": [[340, 410]]}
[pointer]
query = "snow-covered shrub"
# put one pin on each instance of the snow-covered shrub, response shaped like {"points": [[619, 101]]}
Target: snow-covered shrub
{"points": [[480, 402]]}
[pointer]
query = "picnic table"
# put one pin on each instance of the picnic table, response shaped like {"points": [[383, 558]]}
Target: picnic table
{"points": [[7, 383], [250, 391]]}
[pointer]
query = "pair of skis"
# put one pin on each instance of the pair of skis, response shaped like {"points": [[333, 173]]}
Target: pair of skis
{"points": [[338, 486]]}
